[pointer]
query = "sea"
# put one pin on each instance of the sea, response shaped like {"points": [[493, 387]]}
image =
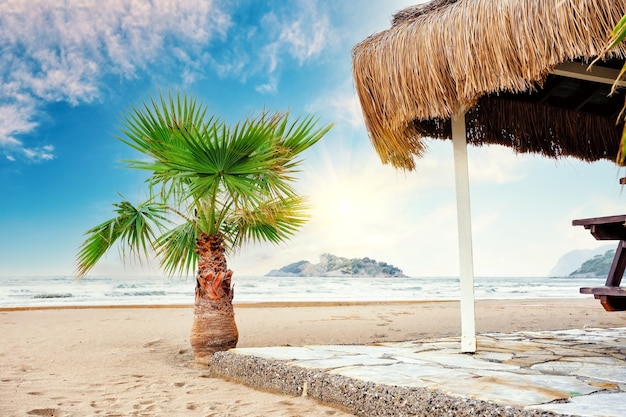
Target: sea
{"points": [[59, 291]]}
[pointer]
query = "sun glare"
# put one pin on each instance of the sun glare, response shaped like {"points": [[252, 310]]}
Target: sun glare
{"points": [[344, 207], [343, 203], [357, 204]]}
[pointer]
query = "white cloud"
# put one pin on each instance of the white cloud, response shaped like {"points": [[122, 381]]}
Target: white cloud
{"points": [[15, 118], [307, 36], [269, 87], [301, 31], [56, 51], [42, 153], [271, 52], [342, 106]]}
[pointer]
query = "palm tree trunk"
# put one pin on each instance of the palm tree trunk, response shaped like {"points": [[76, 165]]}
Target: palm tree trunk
{"points": [[214, 327]]}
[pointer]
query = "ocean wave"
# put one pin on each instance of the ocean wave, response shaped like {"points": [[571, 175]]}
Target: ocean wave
{"points": [[136, 294], [42, 296], [48, 291]]}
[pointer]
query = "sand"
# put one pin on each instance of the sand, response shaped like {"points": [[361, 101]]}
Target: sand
{"points": [[137, 361]]}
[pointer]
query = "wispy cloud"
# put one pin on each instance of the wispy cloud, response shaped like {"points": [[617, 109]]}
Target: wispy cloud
{"points": [[15, 118], [61, 51], [299, 31], [307, 34], [42, 153], [341, 105], [269, 87]]}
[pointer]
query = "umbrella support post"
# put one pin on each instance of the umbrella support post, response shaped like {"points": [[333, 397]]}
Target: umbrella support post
{"points": [[464, 218]]}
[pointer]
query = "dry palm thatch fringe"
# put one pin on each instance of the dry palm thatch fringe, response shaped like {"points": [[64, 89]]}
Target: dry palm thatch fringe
{"points": [[529, 128], [439, 59]]}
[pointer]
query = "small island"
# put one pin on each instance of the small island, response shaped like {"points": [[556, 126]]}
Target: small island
{"points": [[335, 266], [596, 267]]}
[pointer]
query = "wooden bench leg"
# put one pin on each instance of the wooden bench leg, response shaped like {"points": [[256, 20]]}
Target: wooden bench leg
{"points": [[617, 266], [614, 279], [612, 303]]}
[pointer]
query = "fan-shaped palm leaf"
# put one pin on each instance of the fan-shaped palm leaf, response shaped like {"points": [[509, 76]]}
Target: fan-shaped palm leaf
{"points": [[134, 227], [177, 249], [274, 221]]}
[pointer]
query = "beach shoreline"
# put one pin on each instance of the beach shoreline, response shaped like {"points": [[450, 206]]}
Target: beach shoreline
{"points": [[260, 304], [136, 360]]}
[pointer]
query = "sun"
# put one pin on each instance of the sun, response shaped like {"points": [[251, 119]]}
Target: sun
{"points": [[343, 207], [339, 205], [352, 197]]}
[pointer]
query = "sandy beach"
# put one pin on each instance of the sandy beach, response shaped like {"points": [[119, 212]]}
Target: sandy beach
{"points": [[137, 361]]}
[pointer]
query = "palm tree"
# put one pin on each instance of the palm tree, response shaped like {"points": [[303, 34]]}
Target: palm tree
{"points": [[212, 189]]}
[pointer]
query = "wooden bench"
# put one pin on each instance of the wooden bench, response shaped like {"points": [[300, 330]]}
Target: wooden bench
{"points": [[611, 295]]}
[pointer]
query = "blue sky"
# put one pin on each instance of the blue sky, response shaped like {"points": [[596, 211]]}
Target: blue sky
{"points": [[68, 71]]}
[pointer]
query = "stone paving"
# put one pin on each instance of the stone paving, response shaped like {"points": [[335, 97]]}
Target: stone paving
{"points": [[578, 372]]}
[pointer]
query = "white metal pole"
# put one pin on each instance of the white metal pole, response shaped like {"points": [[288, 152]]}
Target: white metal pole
{"points": [[464, 218]]}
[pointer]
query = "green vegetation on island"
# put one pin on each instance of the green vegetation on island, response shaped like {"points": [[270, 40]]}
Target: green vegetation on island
{"points": [[335, 266], [598, 266]]}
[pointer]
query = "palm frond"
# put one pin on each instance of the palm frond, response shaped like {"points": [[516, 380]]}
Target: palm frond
{"points": [[274, 221], [133, 227], [243, 166], [99, 241], [301, 134], [177, 249], [618, 35], [155, 131]]}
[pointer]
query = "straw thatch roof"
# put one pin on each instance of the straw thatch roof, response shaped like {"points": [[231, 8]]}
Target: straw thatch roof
{"points": [[492, 59]]}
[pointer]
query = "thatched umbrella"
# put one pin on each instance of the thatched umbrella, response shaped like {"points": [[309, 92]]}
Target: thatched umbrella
{"points": [[507, 72]]}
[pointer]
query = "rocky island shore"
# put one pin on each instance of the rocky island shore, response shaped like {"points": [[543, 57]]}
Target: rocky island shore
{"points": [[335, 266]]}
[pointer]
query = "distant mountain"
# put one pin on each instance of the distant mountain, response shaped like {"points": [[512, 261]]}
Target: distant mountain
{"points": [[334, 266], [573, 260], [598, 266]]}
